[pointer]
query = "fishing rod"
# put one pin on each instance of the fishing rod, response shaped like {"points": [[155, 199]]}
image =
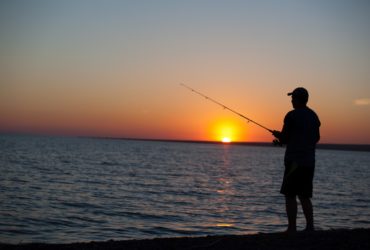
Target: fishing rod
{"points": [[225, 107]]}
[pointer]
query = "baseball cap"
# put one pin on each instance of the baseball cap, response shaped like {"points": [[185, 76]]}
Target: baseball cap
{"points": [[299, 93]]}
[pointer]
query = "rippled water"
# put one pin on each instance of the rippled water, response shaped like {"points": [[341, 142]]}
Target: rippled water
{"points": [[79, 189]]}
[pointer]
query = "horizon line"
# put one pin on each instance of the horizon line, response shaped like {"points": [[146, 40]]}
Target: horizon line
{"points": [[329, 146]]}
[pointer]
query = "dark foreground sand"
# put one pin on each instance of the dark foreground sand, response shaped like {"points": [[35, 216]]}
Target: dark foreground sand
{"points": [[333, 239]]}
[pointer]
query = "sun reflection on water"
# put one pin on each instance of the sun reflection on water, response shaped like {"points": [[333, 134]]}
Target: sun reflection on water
{"points": [[224, 191]]}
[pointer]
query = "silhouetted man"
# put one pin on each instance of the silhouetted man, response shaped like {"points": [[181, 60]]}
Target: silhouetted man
{"points": [[300, 133]]}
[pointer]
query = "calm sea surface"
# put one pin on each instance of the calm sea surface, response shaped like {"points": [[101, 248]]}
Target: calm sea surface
{"points": [[60, 190]]}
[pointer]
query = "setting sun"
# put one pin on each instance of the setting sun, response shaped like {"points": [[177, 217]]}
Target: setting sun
{"points": [[225, 131], [226, 140]]}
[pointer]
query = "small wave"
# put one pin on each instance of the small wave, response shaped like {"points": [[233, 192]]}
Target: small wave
{"points": [[16, 231], [83, 205], [108, 163], [168, 230], [86, 219]]}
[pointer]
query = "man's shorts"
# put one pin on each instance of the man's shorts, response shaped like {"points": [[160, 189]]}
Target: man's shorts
{"points": [[297, 180]]}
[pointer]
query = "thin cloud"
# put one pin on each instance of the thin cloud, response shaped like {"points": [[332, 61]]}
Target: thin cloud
{"points": [[362, 102]]}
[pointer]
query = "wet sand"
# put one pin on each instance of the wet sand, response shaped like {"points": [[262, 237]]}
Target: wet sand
{"points": [[332, 239]]}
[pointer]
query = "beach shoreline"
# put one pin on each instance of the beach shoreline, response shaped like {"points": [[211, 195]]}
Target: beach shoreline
{"points": [[329, 239]]}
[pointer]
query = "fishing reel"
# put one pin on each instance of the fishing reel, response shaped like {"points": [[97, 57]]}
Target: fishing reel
{"points": [[277, 142]]}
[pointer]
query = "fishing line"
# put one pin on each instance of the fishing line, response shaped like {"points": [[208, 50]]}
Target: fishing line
{"points": [[225, 107]]}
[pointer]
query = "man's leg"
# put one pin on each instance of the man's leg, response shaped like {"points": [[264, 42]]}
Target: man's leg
{"points": [[308, 212], [291, 211]]}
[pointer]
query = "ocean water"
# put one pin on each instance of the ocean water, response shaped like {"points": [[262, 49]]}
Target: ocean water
{"points": [[61, 190]]}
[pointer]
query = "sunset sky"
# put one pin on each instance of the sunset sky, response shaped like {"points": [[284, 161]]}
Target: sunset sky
{"points": [[114, 68]]}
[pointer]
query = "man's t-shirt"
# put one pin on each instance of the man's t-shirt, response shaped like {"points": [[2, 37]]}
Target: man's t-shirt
{"points": [[301, 133]]}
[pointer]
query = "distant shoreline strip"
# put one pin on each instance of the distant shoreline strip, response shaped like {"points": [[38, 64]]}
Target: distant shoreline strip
{"points": [[326, 146]]}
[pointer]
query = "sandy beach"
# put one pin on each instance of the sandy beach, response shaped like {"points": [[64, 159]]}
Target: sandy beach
{"points": [[332, 239]]}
